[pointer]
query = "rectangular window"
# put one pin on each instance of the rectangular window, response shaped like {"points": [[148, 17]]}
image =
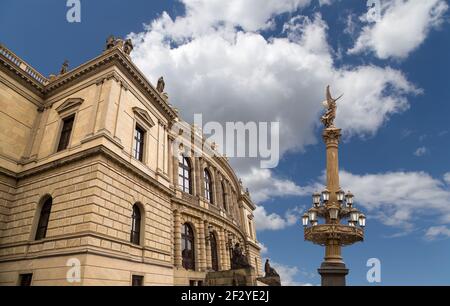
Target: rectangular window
{"points": [[137, 281], [138, 150], [250, 229], [25, 279], [65, 133]]}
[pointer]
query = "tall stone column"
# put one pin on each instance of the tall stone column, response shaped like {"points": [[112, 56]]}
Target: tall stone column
{"points": [[208, 247], [227, 251], [201, 247], [177, 239], [223, 251], [332, 269]]}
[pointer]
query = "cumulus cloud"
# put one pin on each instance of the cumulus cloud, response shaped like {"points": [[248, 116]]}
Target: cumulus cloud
{"points": [[229, 73], [435, 232], [264, 249], [273, 221], [263, 185], [403, 27], [421, 151], [289, 275], [447, 178], [399, 199]]}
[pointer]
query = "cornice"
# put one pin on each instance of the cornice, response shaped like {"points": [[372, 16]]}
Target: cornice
{"points": [[113, 57]]}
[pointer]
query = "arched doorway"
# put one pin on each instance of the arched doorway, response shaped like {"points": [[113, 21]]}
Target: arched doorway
{"points": [[214, 255]]}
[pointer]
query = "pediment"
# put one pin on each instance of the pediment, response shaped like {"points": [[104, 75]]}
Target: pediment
{"points": [[69, 104], [143, 115]]}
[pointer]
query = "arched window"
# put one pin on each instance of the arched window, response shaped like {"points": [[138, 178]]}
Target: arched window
{"points": [[224, 197], [184, 174], [135, 237], [187, 247], [44, 217], [208, 186], [214, 256]]}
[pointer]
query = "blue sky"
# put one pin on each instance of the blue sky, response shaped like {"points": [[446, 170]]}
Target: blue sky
{"points": [[273, 62]]}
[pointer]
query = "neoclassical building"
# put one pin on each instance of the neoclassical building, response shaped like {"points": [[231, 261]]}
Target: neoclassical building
{"points": [[92, 179]]}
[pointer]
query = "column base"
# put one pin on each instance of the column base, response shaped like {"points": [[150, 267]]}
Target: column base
{"points": [[333, 274]]}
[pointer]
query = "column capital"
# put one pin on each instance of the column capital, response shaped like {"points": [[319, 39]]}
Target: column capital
{"points": [[331, 136]]}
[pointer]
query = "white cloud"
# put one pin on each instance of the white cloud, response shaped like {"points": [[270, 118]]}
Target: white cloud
{"points": [[435, 232], [273, 221], [399, 199], [263, 185], [251, 15], [264, 249], [421, 151], [403, 27], [289, 274], [233, 75], [447, 178]]}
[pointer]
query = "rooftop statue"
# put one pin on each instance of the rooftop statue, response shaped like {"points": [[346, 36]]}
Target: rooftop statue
{"points": [[126, 46], [331, 106], [161, 84], [65, 67], [270, 272]]}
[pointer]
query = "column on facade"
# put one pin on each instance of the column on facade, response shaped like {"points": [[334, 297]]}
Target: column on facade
{"points": [[201, 247], [227, 251], [217, 188], [223, 250], [177, 239], [208, 247], [196, 165], [95, 108], [107, 110], [119, 106], [173, 161], [43, 118]]}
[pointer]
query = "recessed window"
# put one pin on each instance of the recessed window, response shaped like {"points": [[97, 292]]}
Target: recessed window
{"points": [[139, 139], [137, 281], [136, 225], [208, 186], [187, 247], [65, 133], [44, 217], [25, 279], [184, 174]]}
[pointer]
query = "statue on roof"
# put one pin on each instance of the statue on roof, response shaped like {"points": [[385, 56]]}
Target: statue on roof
{"points": [[128, 46], [64, 68], [110, 42], [331, 106], [161, 84]]}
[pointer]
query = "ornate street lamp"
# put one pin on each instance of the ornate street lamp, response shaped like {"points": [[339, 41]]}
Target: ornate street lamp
{"points": [[335, 207]]}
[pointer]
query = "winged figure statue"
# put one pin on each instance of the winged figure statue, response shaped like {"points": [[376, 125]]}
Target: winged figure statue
{"points": [[331, 107]]}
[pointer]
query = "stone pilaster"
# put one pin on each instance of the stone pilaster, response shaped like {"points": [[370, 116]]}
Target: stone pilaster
{"points": [[208, 247], [201, 247], [223, 251], [177, 239]]}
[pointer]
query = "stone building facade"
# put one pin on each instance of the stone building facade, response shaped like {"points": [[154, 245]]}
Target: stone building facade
{"points": [[91, 181]]}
